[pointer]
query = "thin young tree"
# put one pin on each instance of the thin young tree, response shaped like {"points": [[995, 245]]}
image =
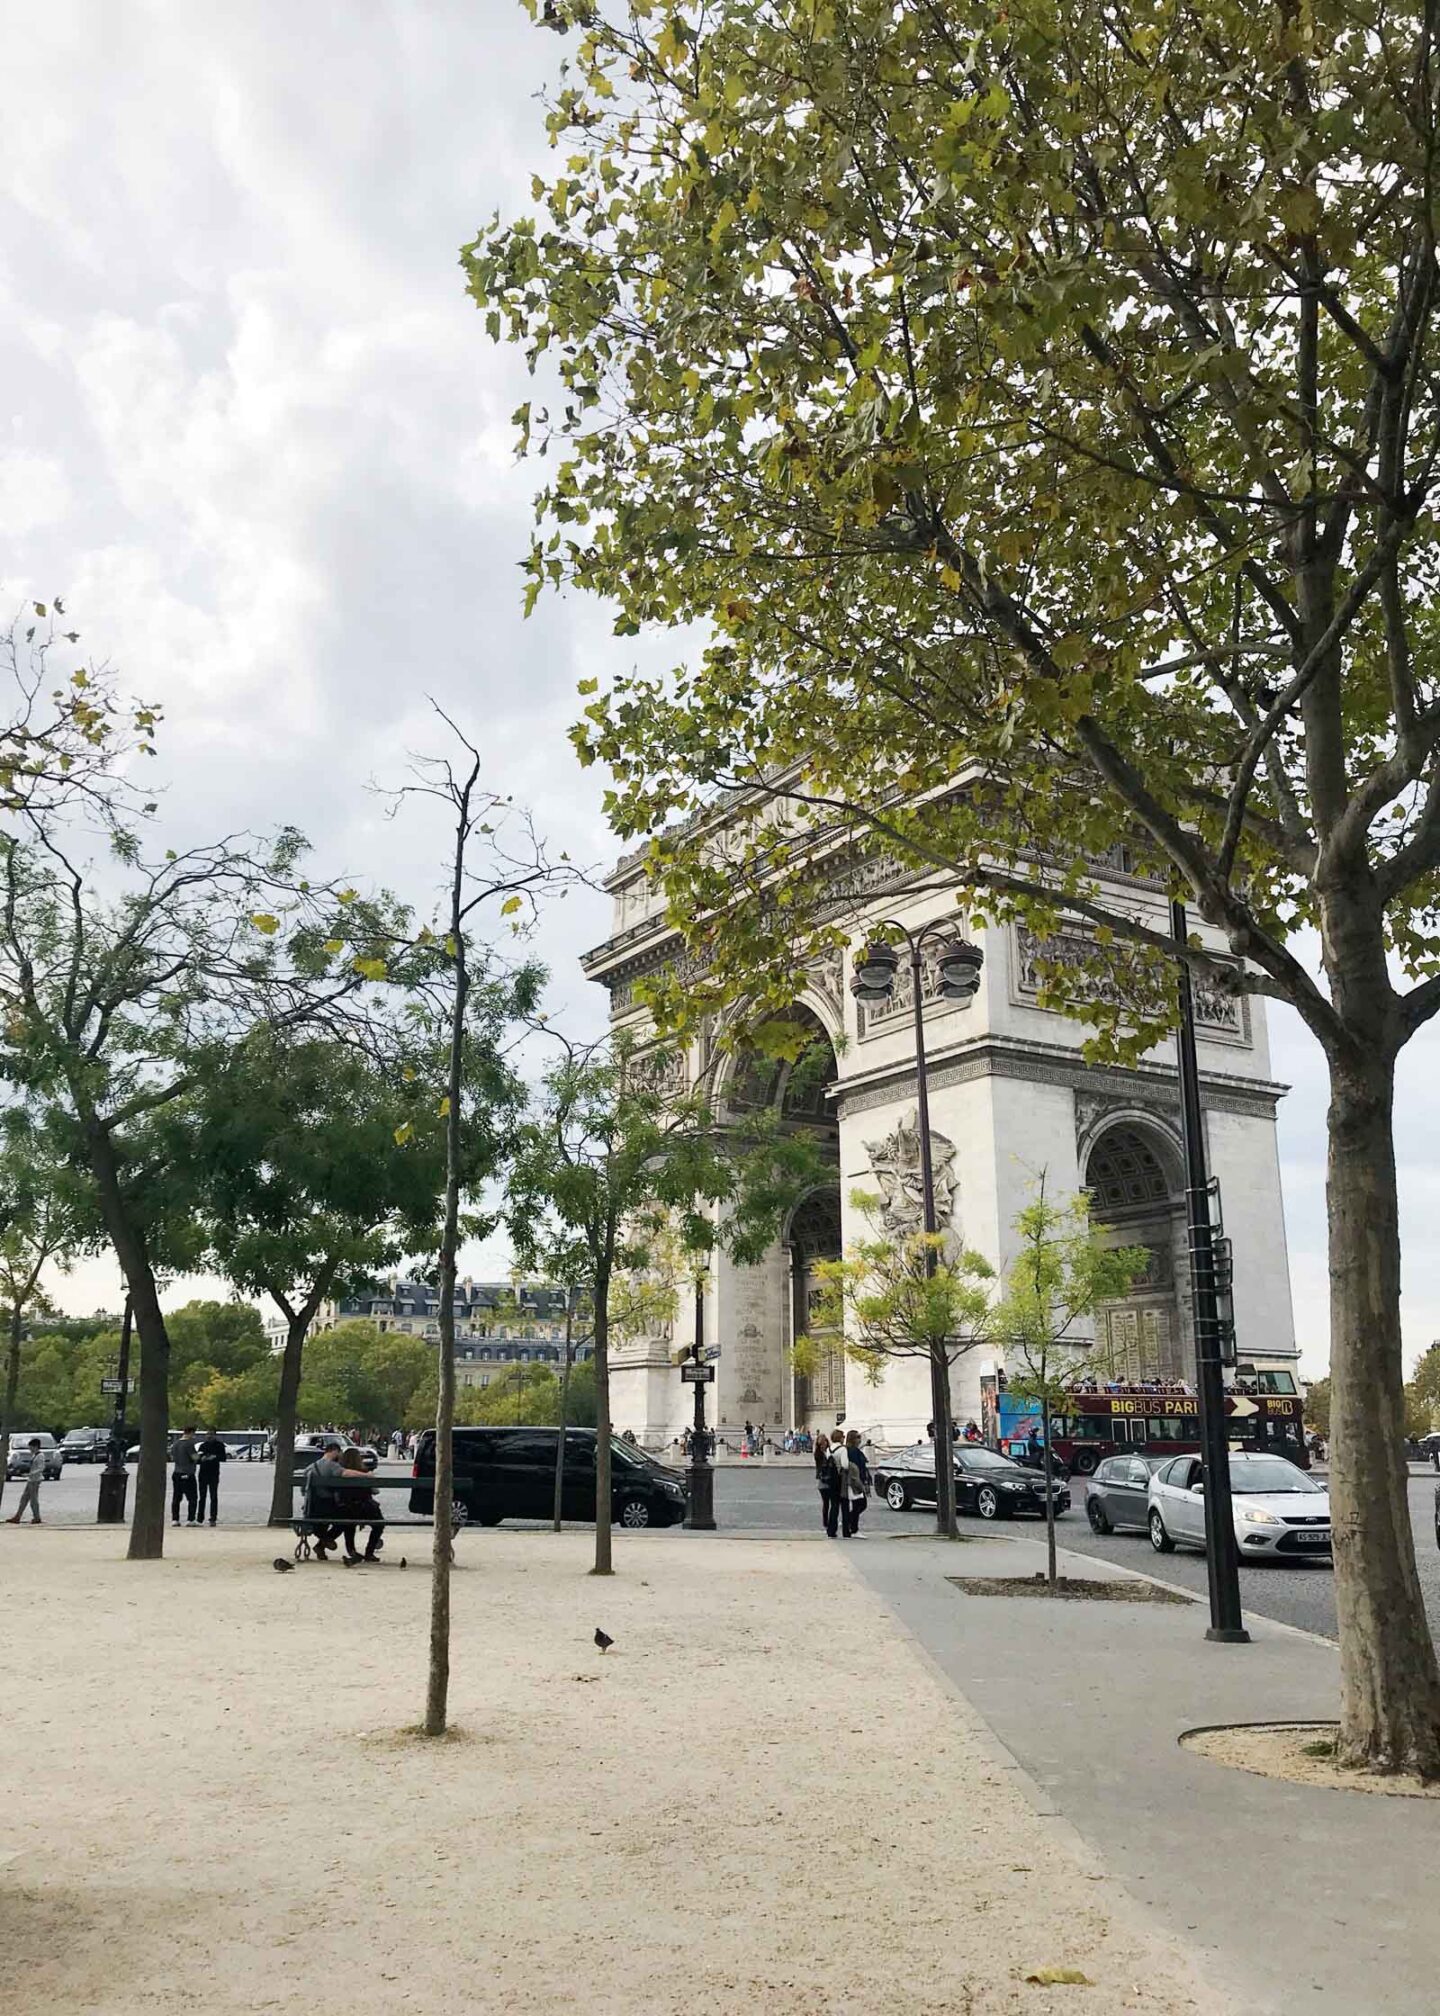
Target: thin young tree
{"points": [[628, 1167], [1062, 1273], [497, 865], [894, 1298]]}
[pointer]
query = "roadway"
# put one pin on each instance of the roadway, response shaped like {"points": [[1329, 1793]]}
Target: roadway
{"points": [[764, 1497]]}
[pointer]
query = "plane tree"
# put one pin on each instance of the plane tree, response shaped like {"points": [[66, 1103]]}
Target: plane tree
{"points": [[125, 980], [1036, 408]]}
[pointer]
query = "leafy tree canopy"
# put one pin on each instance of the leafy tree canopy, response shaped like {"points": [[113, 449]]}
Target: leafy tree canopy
{"points": [[312, 1160], [906, 1296], [1033, 396]]}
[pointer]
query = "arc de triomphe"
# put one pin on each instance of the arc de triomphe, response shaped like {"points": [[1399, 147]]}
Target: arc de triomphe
{"points": [[1010, 1096]]}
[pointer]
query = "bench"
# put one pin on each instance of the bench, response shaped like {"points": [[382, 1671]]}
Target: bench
{"points": [[321, 1507]]}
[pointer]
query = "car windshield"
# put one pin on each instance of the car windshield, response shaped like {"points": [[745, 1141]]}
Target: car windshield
{"points": [[985, 1459], [1268, 1474]]}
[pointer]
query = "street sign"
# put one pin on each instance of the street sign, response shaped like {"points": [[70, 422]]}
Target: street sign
{"points": [[697, 1375], [712, 1353], [117, 1385]]}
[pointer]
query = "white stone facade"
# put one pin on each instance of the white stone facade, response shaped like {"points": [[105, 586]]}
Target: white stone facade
{"points": [[1012, 1097]]}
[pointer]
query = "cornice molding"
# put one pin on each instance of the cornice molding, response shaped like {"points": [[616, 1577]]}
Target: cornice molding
{"points": [[1037, 1064]]}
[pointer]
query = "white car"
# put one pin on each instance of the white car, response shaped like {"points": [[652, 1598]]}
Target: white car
{"points": [[1280, 1512]]}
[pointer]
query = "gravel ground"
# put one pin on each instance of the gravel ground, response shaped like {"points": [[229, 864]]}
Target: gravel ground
{"points": [[764, 1797]]}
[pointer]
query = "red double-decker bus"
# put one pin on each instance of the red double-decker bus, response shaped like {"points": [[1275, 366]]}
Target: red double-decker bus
{"points": [[1264, 1412]]}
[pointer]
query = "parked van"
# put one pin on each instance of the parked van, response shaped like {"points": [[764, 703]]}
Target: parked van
{"points": [[509, 1473]]}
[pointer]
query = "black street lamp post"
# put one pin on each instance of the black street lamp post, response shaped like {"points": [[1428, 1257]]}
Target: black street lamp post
{"points": [[115, 1478], [701, 1516], [874, 980], [1226, 1623]]}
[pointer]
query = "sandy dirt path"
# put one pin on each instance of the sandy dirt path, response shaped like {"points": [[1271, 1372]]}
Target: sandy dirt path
{"points": [[762, 1799]]}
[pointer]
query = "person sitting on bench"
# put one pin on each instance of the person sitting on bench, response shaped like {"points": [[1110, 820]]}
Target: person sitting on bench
{"points": [[363, 1507], [327, 1481]]}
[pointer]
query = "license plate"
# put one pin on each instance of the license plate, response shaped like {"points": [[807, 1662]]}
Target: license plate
{"points": [[1316, 1537]]}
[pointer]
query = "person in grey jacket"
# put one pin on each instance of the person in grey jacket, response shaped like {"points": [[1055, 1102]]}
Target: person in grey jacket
{"points": [[183, 1459], [34, 1478]]}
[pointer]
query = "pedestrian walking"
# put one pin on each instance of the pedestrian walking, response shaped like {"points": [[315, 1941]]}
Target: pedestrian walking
{"points": [[210, 1453], [34, 1478], [840, 1471], [827, 1481], [857, 1482], [184, 1458]]}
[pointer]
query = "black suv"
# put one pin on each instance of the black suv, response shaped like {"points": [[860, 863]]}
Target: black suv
{"points": [[509, 1473], [86, 1445]]}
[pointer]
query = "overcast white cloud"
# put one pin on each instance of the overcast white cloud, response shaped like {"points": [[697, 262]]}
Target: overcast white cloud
{"points": [[252, 429]]}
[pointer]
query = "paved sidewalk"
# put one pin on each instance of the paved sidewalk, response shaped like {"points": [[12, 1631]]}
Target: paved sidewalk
{"points": [[1297, 1897]]}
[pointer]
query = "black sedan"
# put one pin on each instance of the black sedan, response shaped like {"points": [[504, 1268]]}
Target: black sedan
{"points": [[1118, 1493], [990, 1486]]}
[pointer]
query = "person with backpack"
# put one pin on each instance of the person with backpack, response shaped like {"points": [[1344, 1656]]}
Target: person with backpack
{"points": [[840, 1471]]}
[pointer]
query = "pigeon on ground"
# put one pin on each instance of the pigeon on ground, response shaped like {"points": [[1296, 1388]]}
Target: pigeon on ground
{"points": [[282, 1566], [602, 1641]]}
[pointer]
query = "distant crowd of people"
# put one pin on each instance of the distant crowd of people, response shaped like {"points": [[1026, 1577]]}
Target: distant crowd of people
{"points": [[1088, 1383], [749, 1441]]}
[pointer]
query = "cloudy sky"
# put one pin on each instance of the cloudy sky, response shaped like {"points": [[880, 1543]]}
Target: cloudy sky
{"points": [[252, 430]]}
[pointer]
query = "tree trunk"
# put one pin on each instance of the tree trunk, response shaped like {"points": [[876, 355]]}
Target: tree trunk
{"points": [[602, 1424], [437, 1690], [147, 1525], [564, 1407], [945, 1520], [1049, 1490], [12, 1386], [1389, 1677], [282, 1496]]}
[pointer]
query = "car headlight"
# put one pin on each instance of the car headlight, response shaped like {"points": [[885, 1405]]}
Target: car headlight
{"points": [[1253, 1517], [1010, 1484]]}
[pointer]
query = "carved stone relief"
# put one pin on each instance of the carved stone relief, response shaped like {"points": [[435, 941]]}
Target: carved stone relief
{"points": [[896, 1163], [1218, 1012]]}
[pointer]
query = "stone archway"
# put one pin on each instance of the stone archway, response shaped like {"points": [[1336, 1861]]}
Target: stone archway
{"points": [[813, 1235], [763, 1308], [1137, 1196]]}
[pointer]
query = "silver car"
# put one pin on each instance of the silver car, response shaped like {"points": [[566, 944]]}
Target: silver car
{"points": [[1279, 1511], [17, 1464]]}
